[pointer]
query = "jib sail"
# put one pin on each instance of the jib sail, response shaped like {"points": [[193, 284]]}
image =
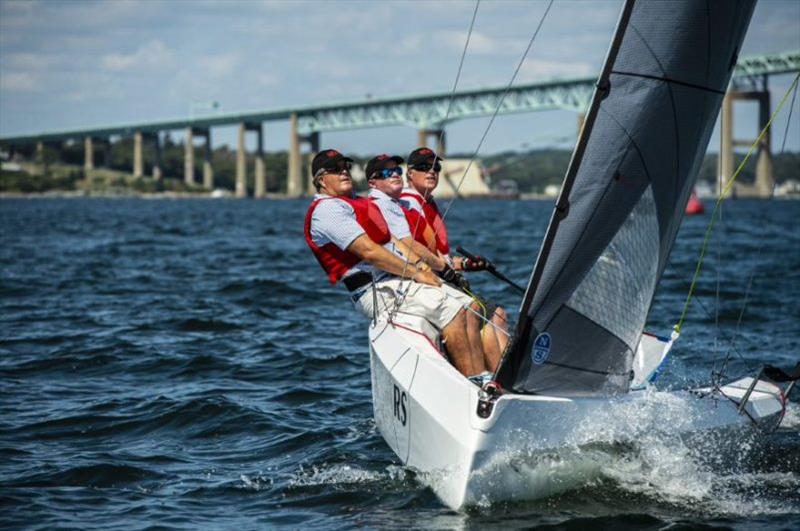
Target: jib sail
{"points": [[624, 196]]}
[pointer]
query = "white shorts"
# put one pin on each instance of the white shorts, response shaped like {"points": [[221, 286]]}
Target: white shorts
{"points": [[437, 305]]}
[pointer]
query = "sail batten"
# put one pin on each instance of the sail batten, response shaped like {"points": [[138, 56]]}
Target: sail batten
{"points": [[623, 197]]}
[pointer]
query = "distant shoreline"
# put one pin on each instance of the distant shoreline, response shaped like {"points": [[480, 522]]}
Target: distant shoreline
{"points": [[82, 194]]}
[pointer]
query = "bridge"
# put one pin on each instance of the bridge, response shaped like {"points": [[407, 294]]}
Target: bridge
{"points": [[428, 113]]}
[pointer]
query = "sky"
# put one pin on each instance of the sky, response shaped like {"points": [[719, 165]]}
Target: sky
{"points": [[74, 64]]}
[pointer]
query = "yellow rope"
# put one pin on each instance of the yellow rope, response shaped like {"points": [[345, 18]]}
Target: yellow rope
{"points": [[483, 308], [725, 191]]}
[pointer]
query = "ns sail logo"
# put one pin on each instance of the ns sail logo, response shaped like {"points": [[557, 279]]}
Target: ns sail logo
{"points": [[541, 348]]}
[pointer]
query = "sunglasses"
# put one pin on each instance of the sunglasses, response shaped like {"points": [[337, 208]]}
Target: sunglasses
{"points": [[428, 167], [386, 173], [340, 167]]}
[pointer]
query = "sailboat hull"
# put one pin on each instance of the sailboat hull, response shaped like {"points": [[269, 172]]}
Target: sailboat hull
{"points": [[427, 412]]}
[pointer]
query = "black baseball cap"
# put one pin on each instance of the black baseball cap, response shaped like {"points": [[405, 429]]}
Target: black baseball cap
{"points": [[378, 163], [422, 156], [327, 158]]}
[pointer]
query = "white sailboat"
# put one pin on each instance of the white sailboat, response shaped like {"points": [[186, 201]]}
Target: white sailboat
{"points": [[580, 359]]}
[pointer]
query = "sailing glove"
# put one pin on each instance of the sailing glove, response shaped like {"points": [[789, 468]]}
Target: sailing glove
{"points": [[479, 263], [450, 276]]}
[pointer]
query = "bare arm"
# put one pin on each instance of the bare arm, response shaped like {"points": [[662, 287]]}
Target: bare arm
{"points": [[375, 254], [408, 252], [431, 259]]}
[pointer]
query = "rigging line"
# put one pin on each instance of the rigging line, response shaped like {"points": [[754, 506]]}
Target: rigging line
{"points": [[760, 245], [718, 262], [725, 191], [399, 300], [699, 300], [458, 74], [497, 108]]}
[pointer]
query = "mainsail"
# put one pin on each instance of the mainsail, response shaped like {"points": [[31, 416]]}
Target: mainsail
{"points": [[624, 196]]}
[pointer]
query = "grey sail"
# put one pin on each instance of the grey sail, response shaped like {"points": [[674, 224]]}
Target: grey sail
{"points": [[624, 196]]}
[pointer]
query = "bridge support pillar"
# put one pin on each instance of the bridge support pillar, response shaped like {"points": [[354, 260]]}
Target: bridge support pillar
{"points": [[260, 187], [261, 174], [138, 162], [88, 154], [764, 182], [157, 173], [241, 163], [313, 142], [188, 157], [294, 184], [441, 139], [208, 170]]}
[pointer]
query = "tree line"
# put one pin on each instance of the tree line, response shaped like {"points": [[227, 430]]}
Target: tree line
{"points": [[531, 170]]}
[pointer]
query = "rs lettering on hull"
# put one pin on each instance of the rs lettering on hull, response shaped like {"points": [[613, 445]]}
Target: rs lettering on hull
{"points": [[400, 401]]}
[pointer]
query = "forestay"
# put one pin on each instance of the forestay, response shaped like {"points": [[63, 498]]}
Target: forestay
{"points": [[624, 195]]}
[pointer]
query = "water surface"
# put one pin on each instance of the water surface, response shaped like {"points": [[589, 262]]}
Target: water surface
{"points": [[184, 364]]}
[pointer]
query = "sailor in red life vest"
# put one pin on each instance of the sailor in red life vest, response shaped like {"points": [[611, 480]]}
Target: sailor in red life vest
{"points": [[385, 179], [351, 240], [424, 166]]}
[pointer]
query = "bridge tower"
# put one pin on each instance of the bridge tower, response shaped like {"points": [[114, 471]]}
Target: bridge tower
{"points": [[294, 180], [188, 159], [241, 161], [762, 187]]}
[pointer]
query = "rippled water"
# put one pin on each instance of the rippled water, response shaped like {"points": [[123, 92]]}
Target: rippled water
{"points": [[185, 364]]}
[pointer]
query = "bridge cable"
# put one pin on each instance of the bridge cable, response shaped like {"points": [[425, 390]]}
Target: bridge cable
{"points": [[745, 299], [725, 192]]}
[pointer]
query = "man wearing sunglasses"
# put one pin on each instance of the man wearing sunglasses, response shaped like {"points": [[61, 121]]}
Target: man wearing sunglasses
{"points": [[385, 180], [352, 242], [424, 166]]}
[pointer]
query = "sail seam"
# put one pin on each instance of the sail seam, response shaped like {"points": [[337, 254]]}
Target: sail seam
{"points": [[596, 208], [669, 80], [572, 367], [593, 321], [675, 130]]}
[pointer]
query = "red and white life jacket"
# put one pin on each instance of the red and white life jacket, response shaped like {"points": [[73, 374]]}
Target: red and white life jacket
{"points": [[434, 219], [420, 229], [336, 262]]}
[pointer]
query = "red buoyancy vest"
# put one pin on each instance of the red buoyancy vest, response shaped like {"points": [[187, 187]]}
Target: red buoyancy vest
{"points": [[420, 229], [336, 262], [434, 219]]}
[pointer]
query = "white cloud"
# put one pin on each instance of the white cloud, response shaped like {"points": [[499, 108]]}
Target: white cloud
{"points": [[540, 69], [480, 44], [151, 55], [29, 61], [219, 65], [18, 81], [266, 79]]}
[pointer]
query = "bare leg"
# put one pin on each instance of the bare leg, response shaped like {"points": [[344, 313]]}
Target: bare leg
{"points": [[489, 341], [475, 340], [500, 320], [491, 347], [458, 345]]}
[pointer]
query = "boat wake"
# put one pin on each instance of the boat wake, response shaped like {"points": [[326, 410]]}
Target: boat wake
{"points": [[635, 453]]}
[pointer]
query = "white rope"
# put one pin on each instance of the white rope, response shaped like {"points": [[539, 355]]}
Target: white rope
{"points": [[399, 300], [498, 107]]}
